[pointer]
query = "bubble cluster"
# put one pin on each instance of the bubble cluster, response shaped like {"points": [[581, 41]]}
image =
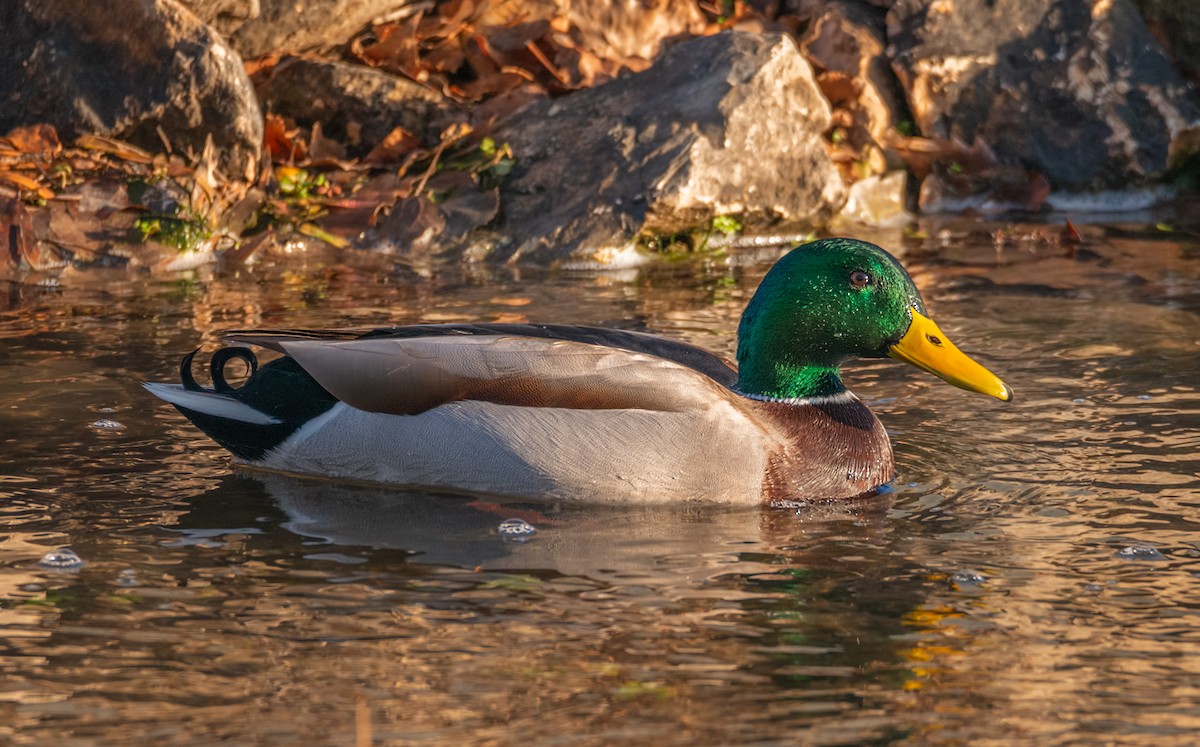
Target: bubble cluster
{"points": [[1139, 552], [516, 530]]}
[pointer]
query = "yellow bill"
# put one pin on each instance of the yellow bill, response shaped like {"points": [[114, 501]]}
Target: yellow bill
{"points": [[926, 347]]}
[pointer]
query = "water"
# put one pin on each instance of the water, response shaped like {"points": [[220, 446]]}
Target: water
{"points": [[1033, 578]]}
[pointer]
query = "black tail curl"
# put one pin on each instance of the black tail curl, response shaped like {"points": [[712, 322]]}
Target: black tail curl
{"points": [[280, 388], [216, 369]]}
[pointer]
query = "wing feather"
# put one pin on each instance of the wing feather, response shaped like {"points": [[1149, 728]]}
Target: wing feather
{"points": [[714, 366], [406, 376]]}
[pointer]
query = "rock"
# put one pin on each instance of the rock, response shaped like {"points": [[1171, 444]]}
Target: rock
{"points": [[847, 41], [729, 124], [1176, 25], [260, 27], [1076, 90], [356, 105], [877, 201], [76, 65]]}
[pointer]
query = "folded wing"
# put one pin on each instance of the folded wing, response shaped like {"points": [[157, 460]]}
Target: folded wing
{"points": [[410, 376]]}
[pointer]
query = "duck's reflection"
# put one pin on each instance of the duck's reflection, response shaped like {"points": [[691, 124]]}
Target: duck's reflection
{"points": [[571, 539], [463, 532]]}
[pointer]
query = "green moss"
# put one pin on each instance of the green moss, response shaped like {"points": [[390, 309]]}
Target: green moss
{"points": [[726, 224], [186, 231], [686, 242]]}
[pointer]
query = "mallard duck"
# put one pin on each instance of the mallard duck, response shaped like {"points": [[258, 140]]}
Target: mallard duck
{"points": [[587, 413]]}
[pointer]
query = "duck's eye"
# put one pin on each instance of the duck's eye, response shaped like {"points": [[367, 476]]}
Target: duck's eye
{"points": [[860, 279]]}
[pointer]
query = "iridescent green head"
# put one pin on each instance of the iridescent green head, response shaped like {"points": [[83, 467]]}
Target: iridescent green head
{"points": [[832, 300]]}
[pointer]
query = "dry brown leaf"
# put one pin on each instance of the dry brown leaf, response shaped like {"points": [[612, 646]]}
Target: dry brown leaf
{"points": [[393, 46], [397, 144], [204, 177], [1070, 234], [839, 87], [114, 147], [41, 139], [19, 180], [282, 143], [262, 64]]}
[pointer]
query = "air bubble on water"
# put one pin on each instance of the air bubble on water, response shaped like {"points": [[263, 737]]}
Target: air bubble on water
{"points": [[967, 579], [516, 530], [1144, 396], [1079, 401], [1093, 587], [1139, 552], [127, 577], [105, 424], [62, 559]]}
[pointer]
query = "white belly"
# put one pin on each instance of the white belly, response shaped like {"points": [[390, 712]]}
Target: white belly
{"points": [[589, 455]]}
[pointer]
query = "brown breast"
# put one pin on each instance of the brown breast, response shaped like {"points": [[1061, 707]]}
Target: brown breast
{"points": [[822, 452]]}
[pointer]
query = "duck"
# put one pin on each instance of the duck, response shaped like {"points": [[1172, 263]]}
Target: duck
{"points": [[565, 412]]}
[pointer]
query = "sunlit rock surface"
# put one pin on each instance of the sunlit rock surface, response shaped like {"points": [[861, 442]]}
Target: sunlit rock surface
{"points": [[139, 70], [726, 124], [1076, 90]]}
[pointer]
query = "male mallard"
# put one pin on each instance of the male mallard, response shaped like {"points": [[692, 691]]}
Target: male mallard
{"points": [[596, 414]]}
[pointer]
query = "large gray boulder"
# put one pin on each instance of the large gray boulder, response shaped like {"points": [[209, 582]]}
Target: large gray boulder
{"points": [[127, 69], [730, 124], [1076, 90]]}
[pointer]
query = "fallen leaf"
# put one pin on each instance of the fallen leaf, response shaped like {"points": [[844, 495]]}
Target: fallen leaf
{"points": [[394, 146], [281, 142], [246, 249], [20, 180], [412, 226], [316, 232], [114, 147], [1070, 235], [40, 139]]}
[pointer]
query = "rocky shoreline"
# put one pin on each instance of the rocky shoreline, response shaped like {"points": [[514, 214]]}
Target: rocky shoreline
{"points": [[570, 133]]}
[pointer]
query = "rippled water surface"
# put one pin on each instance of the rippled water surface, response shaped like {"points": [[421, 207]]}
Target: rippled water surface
{"points": [[1034, 578]]}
